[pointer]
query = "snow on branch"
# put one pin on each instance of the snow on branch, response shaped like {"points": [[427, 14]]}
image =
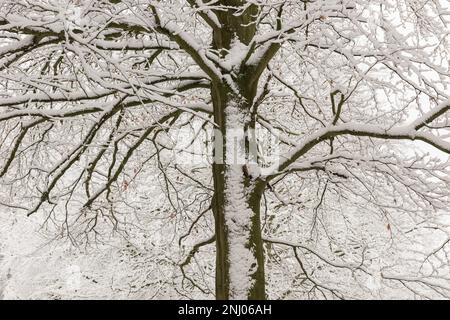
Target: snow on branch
{"points": [[408, 132]]}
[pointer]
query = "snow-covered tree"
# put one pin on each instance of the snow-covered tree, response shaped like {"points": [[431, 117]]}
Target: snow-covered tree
{"points": [[304, 141]]}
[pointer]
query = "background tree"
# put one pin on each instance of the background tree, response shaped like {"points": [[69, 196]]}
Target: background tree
{"points": [[93, 93]]}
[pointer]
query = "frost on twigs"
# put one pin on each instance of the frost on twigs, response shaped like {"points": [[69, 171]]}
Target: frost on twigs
{"points": [[281, 149]]}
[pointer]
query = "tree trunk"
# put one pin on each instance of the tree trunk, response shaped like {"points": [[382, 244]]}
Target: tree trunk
{"points": [[2, 280], [239, 249]]}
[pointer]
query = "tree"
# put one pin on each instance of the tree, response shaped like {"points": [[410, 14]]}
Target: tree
{"points": [[92, 91]]}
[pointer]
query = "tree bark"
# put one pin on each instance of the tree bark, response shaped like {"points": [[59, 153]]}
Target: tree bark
{"points": [[239, 249], [236, 204], [237, 196]]}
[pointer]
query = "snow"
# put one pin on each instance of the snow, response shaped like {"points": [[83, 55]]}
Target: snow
{"points": [[191, 43], [237, 213], [235, 56], [355, 207], [406, 132], [238, 219]]}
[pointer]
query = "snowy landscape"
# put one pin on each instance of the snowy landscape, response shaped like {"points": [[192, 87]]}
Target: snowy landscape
{"points": [[224, 149]]}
